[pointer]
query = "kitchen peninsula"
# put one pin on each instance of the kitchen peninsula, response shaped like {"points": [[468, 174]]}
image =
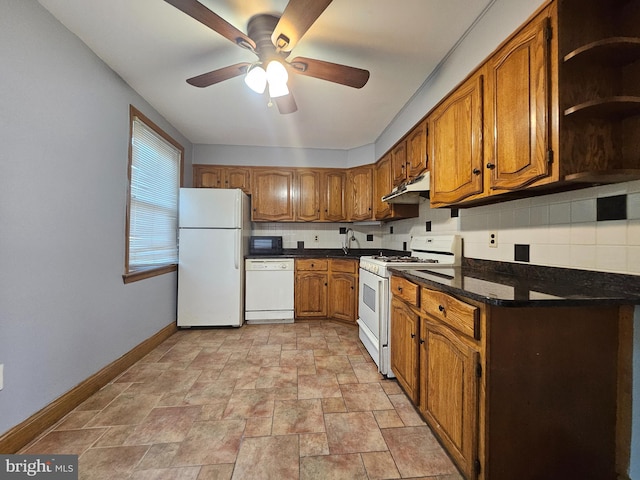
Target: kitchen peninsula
{"points": [[522, 371]]}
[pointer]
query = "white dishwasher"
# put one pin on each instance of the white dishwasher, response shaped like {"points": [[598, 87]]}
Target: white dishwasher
{"points": [[269, 290]]}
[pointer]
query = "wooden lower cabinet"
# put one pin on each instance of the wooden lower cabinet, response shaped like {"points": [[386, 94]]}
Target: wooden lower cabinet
{"points": [[514, 392], [404, 346], [449, 391], [326, 288]]}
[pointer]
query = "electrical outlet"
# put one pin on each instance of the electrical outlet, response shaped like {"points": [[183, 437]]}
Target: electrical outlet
{"points": [[493, 239], [1, 376], [315, 238]]}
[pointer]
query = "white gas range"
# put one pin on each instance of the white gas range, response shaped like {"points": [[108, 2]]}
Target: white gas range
{"points": [[374, 310]]}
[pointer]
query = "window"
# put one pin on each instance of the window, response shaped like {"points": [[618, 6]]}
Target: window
{"points": [[155, 176]]}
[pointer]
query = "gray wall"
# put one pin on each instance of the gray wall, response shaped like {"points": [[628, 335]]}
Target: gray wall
{"points": [[64, 124]]}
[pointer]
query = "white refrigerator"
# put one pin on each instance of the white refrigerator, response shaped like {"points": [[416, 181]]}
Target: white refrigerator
{"points": [[213, 237]]}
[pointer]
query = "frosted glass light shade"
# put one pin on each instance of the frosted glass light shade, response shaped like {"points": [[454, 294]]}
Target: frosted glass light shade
{"points": [[276, 73], [256, 79], [278, 89]]}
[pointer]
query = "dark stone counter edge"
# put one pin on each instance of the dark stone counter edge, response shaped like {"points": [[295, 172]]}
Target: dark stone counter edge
{"points": [[574, 287], [354, 253]]}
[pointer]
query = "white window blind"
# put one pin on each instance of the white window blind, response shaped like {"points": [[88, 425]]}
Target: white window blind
{"points": [[153, 202]]}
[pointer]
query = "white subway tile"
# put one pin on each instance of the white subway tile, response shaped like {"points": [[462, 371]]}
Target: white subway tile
{"points": [[633, 206], [611, 258], [539, 215], [611, 232], [633, 232], [633, 260], [583, 256], [583, 210], [559, 213], [583, 233]]}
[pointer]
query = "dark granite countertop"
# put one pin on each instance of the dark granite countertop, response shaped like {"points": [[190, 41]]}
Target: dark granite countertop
{"points": [[354, 253], [521, 285]]}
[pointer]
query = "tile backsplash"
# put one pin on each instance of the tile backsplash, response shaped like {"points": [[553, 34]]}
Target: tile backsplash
{"points": [[596, 228]]}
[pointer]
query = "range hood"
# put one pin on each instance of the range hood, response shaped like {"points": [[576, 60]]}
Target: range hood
{"points": [[411, 191]]}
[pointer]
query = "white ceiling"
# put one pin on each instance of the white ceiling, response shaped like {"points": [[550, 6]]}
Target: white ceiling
{"points": [[155, 47]]}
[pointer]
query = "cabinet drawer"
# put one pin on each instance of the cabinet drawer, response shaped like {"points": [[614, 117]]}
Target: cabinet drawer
{"points": [[318, 264], [407, 291], [451, 311], [344, 265]]}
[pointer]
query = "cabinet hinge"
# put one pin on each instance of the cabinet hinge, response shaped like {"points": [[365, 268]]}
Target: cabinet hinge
{"points": [[549, 156], [476, 466], [478, 370]]}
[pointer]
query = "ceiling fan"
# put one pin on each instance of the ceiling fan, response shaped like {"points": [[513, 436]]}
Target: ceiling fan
{"points": [[272, 38]]}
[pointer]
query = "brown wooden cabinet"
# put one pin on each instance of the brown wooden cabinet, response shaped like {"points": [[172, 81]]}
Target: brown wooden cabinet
{"points": [[518, 143], [343, 289], [502, 385], [456, 144], [399, 163], [383, 185], [307, 194], [272, 195], [405, 324], [360, 193], [417, 150], [215, 176], [326, 288], [311, 288], [334, 196], [449, 375]]}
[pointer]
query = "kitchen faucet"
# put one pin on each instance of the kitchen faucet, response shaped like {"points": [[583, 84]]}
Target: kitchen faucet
{"points": [[347, 240]]}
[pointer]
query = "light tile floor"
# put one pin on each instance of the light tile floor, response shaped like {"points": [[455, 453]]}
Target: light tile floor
{"points": [[297, 401]]}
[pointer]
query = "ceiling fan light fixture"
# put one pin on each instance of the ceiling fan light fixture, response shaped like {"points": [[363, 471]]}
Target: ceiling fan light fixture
{"points": [[278, 89], [276, 73], [256, 78]]}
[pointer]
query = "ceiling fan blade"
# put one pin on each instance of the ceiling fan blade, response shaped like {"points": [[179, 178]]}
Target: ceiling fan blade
{"points": [[196, 10], [332, 72], [296, 19], [286, 104], [217, 76]]}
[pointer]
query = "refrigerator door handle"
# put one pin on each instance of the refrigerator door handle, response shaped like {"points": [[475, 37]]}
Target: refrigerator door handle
{"points": [[236, 248]]}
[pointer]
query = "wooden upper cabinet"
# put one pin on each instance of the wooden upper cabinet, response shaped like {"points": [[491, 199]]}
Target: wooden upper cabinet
{"points": [[307, 195], [383, 185], [518, 110], [399, 163], [360, 192], [333, 197], [215, 176], [272, 195], [417, 150], [456, 149]]}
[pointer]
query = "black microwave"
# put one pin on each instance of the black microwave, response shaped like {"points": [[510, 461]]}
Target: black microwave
{"points": [[265, 245]]}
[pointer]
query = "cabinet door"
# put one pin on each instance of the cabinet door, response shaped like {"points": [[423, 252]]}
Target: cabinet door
{"points": [[417, 150], [449, 391], [238, 178], [205, 176], [404, 347], [272, 195], [455, 139], [308, 195], [334, 196], [383, 186], [311, 294], [518, 110], [399, 163], [361, 193], [343, 296]]}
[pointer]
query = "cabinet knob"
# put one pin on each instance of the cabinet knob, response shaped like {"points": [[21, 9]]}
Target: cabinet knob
{"points": [[313, 265], [413, 335], [421, 341], [476, 171], [351, 288], [491, 166], [325, 284], [441, 308], [399, 288]]}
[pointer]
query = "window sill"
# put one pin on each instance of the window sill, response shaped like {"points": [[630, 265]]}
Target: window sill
{"points": [[148, 273]]}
